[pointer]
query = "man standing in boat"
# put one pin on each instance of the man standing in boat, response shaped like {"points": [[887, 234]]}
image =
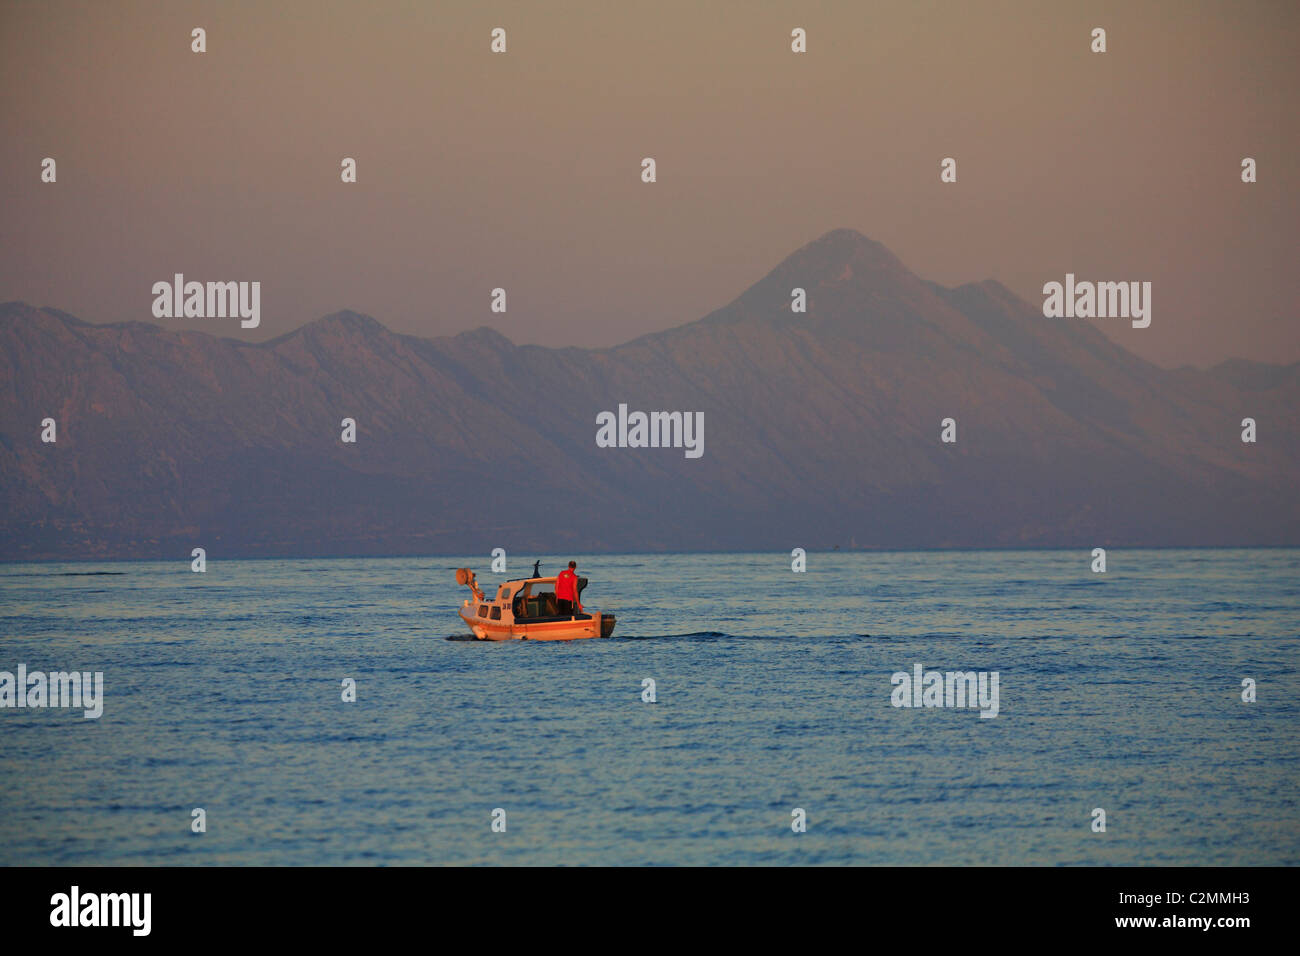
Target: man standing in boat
{"points": [[566, 590]]}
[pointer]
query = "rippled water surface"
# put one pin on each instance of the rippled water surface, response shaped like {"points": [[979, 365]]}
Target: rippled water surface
{"points": [[222, 691]]}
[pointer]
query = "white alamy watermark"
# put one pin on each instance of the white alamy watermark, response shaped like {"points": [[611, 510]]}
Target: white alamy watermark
{"points": [[82, 689], [651, 430], [1098, 300], [179, 299], [923, 688], [76, 908]]}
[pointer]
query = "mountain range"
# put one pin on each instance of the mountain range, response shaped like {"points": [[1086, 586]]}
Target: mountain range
{"points": [[822, 430]]}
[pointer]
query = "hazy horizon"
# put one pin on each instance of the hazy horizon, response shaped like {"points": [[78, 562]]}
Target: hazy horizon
{"points": [[522, 170]]}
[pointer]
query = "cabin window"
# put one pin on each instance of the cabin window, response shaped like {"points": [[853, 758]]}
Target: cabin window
{"points": [[496, 614], [482, 611]]}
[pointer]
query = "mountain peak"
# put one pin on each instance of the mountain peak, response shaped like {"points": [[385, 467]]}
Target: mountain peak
{"points": [[483, 335], [342, 324], [18, 314], [847, 238], [839, 256], [838, 269], [841, 247], [18, 309], [347, 319]]}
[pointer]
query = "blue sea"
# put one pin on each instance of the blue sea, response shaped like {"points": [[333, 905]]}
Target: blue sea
{"points": [[222, 691]]}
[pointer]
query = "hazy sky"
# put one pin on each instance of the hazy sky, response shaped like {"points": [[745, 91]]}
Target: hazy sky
{"points": [[522, 170]]}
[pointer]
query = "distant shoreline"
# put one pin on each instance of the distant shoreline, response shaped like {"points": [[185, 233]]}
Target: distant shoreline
{"points": [[487, 558]]}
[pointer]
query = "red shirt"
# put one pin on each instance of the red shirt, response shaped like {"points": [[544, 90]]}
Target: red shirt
{"points": [[566, 586]]}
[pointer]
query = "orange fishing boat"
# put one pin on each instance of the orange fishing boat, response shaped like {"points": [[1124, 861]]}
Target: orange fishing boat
{"points": [[526, 609]]}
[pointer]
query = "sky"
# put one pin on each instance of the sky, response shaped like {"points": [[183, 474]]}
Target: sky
{"points": [[522, 170]]}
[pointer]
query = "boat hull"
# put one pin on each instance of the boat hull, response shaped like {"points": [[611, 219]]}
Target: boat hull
{"points": [[593, 625]]}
